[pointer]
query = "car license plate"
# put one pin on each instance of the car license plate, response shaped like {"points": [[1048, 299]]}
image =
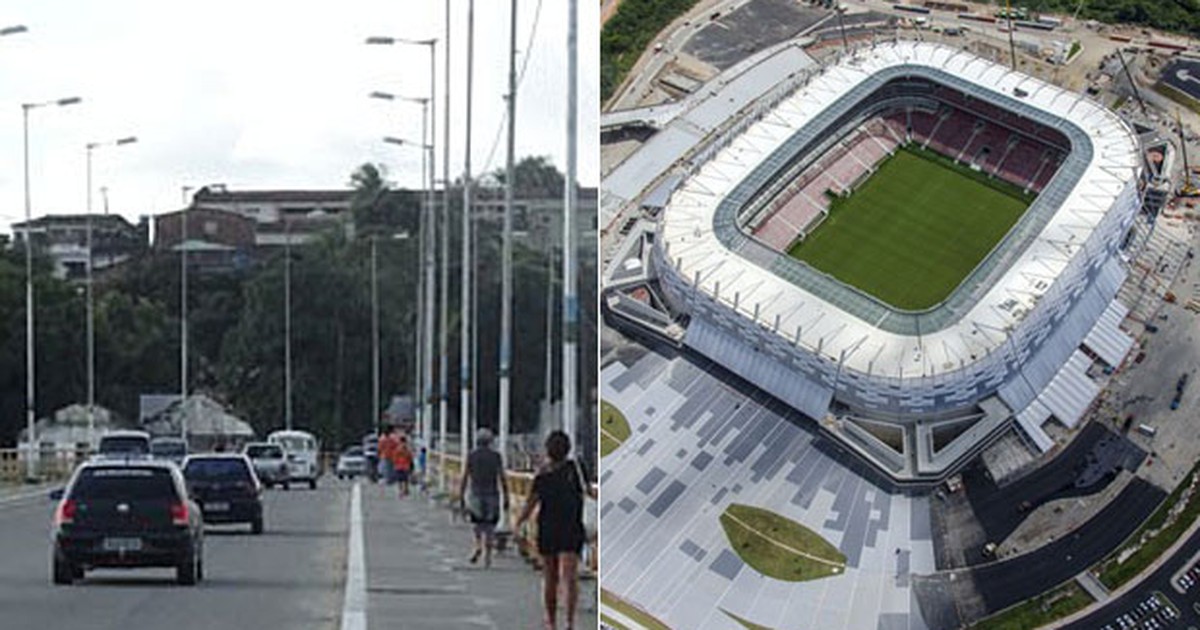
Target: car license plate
{"points": [[122, 544], [216, 506]]}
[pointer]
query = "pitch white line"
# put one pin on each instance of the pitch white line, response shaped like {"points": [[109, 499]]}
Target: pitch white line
{"points": [[354, 608]]}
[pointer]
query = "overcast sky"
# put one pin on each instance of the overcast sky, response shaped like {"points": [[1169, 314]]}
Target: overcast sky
{"points": [[267, 94]]}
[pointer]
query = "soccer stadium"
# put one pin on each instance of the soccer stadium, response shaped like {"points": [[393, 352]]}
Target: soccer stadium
{"points": [[914, 246]]}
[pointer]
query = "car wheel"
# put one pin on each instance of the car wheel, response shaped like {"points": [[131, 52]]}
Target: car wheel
{"points": [[187, 572], [256, 526], [63, 572], [312, 483], [77, 572], [269, 484], [341, 476], [287, 486], [200, 567]]}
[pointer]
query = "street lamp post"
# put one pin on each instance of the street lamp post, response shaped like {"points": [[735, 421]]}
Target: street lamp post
{"points": [[183, 313], [375, 389], [428, 257], [424, 332], [506, 253], [31, 467], [91, 305]]}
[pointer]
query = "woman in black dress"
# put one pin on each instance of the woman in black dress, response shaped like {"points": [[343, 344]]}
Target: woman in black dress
{"points": [[559, 488]]}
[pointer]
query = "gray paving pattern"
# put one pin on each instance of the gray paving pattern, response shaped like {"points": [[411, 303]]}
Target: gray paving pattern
{"points": [[706, 445]]}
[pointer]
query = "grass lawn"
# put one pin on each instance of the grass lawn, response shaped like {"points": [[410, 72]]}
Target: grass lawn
{"points": [[1036, 612], [914, 229], [614, 429], [766, 540], [636, 614]]}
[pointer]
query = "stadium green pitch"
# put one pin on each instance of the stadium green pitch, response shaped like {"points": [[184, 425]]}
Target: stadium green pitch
{"points": [[914, 229]]}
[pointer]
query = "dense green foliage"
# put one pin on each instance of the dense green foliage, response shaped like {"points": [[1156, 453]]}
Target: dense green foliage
{"points": [[629, 32], [236, 352], [913, 230], [1173, 15]]}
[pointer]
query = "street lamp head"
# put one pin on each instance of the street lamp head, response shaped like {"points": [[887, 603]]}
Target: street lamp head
{"points": [[393, 140], [127, 140], [382, 41], [13, 30], [70, 100], [383, 96]]}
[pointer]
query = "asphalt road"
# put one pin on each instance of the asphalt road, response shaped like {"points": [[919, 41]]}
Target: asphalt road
{"points": [[292, 576], [1158, 581], [1010, 581]]}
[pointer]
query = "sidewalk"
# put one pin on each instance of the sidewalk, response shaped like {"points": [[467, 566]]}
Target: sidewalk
{"points": [[418, 577]]}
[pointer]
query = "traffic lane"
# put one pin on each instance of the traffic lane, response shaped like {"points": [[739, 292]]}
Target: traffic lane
{"points": [[1007, 582], [1159, 581], [291, 576]]}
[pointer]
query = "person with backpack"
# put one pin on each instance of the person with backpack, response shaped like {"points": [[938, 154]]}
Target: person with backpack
{"points": [[559, 488]]}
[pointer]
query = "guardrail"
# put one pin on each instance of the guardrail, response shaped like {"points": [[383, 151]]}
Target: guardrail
{"points": [[520, 486], [51, 463]]}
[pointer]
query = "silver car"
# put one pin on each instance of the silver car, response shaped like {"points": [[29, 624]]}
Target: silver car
{"points": [[352, 463], [270, 463]]}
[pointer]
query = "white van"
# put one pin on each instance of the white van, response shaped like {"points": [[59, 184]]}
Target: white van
{"points": [[302, 453]]}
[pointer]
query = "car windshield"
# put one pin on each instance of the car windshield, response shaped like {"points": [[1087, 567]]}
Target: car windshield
{"points": [[123, 444], [354, 451], [295, 443], [123, 483], [216, 469], [264, 451], [168, 448]]}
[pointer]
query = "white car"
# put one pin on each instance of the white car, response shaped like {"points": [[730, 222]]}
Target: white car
{"points": [[302, 453], [352, 463]]}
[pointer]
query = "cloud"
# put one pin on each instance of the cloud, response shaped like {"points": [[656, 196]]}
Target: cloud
{"points": [[267, 94]]}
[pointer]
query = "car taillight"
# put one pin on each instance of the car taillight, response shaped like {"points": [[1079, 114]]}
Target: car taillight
{"points": [[179, 513], [65, 514]]}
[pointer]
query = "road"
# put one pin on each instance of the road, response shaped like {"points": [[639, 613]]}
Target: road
{"points": [[415, 575], [1159, 581], [290, 577]]}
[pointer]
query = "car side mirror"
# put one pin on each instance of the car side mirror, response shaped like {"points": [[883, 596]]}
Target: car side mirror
{"points": [[57, 494]]}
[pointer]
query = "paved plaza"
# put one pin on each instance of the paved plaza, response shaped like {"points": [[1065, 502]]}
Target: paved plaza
{"points": [[698, 444]]}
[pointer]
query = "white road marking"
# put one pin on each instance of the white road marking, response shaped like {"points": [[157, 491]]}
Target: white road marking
{"points": [[354, 608]]}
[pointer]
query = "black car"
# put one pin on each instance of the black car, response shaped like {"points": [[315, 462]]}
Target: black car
{"points": [[226, 487], [126, 514]]}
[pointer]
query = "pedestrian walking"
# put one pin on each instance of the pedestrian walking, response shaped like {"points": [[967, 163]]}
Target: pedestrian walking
{"points": [[488, 498], [559, 488], [387, 449], [402, 463]]}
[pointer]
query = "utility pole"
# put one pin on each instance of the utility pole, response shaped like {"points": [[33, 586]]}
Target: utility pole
{"points": [[443, 289], [570, 299], [374, 336], [465, 336], [183, 313], [431, 250], [287, 323], [506, 254]]}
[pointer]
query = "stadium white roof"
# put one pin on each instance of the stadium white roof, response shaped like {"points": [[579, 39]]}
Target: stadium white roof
{"points": [[692, 245]]}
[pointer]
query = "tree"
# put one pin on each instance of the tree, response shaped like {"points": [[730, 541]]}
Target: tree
{"points": [[536, 178]]}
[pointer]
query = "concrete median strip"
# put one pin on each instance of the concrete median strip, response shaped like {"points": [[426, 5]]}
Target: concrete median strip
{"points": [[354, 607]]}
